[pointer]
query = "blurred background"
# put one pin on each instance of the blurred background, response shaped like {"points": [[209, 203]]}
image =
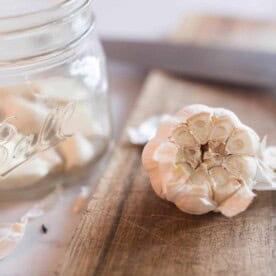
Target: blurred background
{"points": [[248, 23], [154, 18]]}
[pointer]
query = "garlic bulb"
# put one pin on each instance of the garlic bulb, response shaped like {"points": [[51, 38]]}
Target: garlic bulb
{"points": [[204, 159]]}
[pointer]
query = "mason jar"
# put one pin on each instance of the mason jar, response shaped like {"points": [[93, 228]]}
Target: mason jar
{"points": [[54, 115]]}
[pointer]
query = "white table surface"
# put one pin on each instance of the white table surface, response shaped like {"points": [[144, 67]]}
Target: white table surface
{"points": [[42, 254]]}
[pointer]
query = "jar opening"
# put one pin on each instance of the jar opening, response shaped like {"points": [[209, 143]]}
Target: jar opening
{"points": [[38, 32]]}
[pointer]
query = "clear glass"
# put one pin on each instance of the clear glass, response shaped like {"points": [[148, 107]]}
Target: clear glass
{"points": [[54, 116]]}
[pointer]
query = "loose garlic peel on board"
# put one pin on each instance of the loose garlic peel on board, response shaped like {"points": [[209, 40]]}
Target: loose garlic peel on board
{"points": [[204, 159]]}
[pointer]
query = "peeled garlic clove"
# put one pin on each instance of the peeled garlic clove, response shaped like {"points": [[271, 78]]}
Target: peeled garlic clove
{"points": [[183, 137], [19, 90], [28, 116], [243, 141], [60, 90], [242, 167], [76, 151], [238, 202], [27, 174], [224, 185], [82, 120], [54, 159], [222, 128], [200, 126], [11, 235]]}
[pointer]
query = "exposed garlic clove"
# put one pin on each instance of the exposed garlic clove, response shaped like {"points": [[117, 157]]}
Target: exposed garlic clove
{"points": [[223, 113], [200, 126], [212, 159], [238, 202], [26, 116], [224, 184], [222, 128], [242, 167], [243, 141], [195, 196], [183, 137], [216, 147], [192, 156], [76, 151], [202, 181]]}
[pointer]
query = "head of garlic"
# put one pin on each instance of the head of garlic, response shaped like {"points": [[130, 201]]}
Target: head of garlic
{"points": [[205, 159]]}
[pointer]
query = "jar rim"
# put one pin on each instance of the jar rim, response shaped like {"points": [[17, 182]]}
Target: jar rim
{"points": [[43, 36], [40, 18]]}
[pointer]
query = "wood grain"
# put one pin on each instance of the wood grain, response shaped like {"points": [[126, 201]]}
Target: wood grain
{"points": [[128, 230]]}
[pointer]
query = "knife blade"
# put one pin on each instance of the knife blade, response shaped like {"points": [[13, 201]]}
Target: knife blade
{"points": [[222, 64]]}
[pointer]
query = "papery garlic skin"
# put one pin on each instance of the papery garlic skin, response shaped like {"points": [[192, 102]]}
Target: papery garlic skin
{"points": [[204, 160]]}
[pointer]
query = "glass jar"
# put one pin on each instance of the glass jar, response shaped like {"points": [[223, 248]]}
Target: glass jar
{"points": [[54, 118]]}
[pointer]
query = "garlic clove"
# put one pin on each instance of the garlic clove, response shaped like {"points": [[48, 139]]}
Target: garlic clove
{"points": [[224, 184], [183, 137], [192, 156], [165, 155], [222, 128], [243, 141], [270, 157], [237, 203], [60, 90], [200, 126], [76, 151], [195, 197], [82, 120], [152, 166], [212, 159], [26, 116], [180, 175], [242, 167], [265, 178], [200, 180], [11, 235], [195, 205], [27, 174], [54, 159], [225, 113]]}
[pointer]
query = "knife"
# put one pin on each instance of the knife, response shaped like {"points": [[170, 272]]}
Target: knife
{"points": [[222, 64]]}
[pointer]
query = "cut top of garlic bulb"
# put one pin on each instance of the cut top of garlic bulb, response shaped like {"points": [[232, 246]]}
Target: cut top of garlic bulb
{"points": [[204, 160]]}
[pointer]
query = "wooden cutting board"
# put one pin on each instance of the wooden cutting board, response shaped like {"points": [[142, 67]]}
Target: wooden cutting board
{"points": [[128, 230]]}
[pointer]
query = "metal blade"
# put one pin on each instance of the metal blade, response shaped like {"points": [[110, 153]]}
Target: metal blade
{"points": [[238, 66]]}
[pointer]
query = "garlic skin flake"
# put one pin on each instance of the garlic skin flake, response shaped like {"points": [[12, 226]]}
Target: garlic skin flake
{"points": [[205, 159]]}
